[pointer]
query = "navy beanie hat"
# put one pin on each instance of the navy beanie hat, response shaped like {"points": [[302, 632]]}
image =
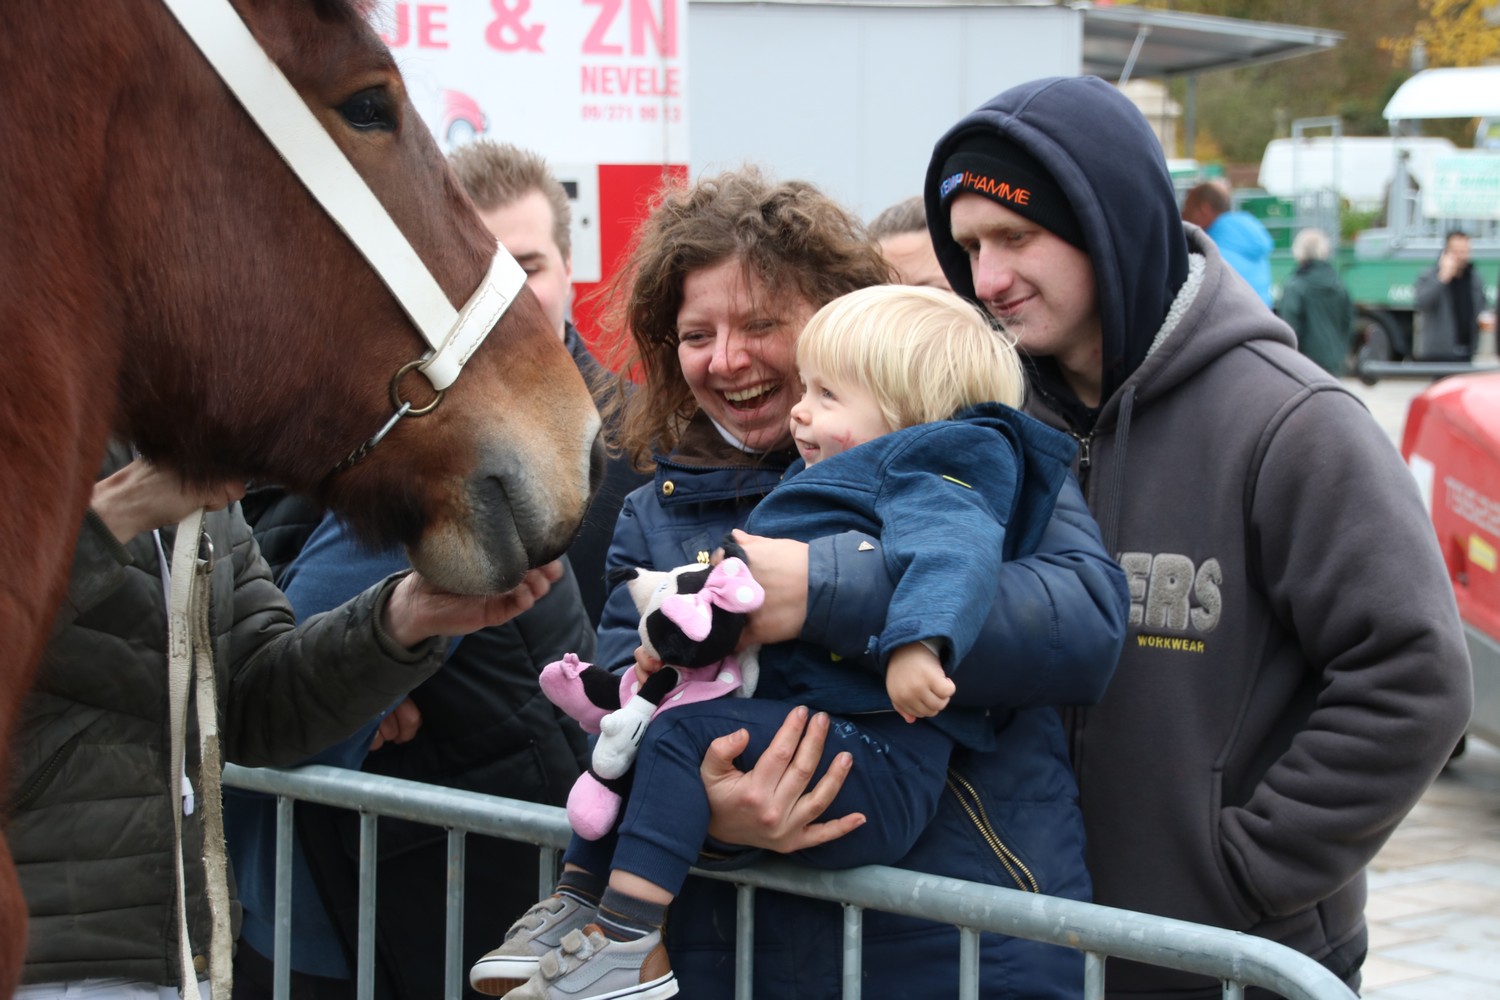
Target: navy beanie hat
{"points": [[985, 163]]}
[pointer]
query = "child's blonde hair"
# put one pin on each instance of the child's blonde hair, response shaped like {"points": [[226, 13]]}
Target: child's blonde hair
{"points": [[923, 353]]}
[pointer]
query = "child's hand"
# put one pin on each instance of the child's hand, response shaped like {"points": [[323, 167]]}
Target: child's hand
{"points": [[645, 664], [915, 681]]}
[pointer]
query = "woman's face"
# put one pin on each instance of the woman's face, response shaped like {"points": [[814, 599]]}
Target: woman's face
{"points": [[736, 345]]}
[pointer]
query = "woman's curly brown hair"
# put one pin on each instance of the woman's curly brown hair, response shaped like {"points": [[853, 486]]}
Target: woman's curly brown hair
{"points": [[789, 235]]}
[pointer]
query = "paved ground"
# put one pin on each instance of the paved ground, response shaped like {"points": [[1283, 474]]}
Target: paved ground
{"points": [[1434, 906]]}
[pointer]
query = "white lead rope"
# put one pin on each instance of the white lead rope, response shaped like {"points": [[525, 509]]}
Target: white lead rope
{"points": [[271, 100], [190, 667]]}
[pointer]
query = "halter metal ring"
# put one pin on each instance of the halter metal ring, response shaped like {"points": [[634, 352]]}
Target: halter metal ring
{"points": [[397, 403]]}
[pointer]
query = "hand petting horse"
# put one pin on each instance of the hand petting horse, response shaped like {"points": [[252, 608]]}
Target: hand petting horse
{"points": [[164, 276]]}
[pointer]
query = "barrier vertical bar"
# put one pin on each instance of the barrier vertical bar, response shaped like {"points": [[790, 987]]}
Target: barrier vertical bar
{"points": [[365, 986], [854, 940], [1233, 990], [546, 871], [281, 951], [1093, 976], [453, 943], [968, 964], [744, 942]]}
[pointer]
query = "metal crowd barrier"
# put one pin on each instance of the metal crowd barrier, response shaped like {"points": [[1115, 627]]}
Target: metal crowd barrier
{"points": [[1237, 959]]}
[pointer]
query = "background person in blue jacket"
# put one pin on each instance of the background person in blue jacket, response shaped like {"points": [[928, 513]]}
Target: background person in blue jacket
{"points": [[907, 430], [1242, 239], [716, 422], [1295, 674]]}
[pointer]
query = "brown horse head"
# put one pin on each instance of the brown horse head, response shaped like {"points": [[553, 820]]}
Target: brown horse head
{"points": [[261, 344], [163, 276]]}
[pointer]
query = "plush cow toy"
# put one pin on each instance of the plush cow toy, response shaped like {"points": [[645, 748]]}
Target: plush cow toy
{"points": [[691, 620]]}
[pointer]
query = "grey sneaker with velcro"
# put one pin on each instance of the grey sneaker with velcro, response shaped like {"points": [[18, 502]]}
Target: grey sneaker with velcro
{"points": [[591, 966], [537, 931]]}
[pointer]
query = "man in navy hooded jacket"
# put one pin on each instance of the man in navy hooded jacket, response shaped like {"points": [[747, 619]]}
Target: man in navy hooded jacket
{"points": [[1295, 674]]}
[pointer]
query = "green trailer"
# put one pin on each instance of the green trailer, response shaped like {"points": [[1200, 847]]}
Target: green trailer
{"points": [[1382, 283], [1380, 266]]}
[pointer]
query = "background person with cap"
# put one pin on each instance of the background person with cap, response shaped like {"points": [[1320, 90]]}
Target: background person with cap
{"points": [[1295, 674]]}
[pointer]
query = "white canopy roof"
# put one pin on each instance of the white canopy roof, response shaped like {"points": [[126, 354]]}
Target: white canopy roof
{"points": [[1455, 92]]}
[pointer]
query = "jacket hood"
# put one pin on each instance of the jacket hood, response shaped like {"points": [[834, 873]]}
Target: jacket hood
{"points": [[1103, 154]]}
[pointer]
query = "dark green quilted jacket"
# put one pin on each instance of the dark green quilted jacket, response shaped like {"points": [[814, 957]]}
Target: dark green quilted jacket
{"points": [[91, 800]]}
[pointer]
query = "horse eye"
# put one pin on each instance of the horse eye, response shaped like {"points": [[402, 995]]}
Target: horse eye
{"points": [[369, 109]]}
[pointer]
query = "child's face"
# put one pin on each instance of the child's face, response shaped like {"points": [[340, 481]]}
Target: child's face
{"points": [[832, 418]]}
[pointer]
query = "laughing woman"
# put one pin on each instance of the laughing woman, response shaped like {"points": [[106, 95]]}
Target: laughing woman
{"points": [[722, 280]]}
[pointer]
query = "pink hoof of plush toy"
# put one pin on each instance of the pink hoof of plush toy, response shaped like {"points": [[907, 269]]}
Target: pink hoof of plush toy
{"points": [[562, 683], [592, 808]]}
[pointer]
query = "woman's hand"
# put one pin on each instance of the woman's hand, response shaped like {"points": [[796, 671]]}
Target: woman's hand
{"points": [[779, 565], [141, 497], [417, 610], [771, 806]]}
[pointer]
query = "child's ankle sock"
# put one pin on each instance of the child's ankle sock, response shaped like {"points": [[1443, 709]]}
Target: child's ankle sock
{"points": [[581, 887], [626, 918]]}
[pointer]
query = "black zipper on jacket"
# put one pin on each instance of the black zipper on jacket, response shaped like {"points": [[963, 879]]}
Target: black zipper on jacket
{"points": [[1085, 445], [969, 799], [42, 778]]}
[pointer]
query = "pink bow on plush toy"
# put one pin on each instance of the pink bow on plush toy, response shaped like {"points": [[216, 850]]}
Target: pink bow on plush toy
{"points": [[729, 587]]}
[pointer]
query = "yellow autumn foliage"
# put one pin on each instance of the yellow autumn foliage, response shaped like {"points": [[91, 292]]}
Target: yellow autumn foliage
{"points": [[1453, 33]]}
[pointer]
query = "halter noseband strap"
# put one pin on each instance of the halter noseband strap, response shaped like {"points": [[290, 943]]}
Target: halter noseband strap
{"points": [[452, 335]]}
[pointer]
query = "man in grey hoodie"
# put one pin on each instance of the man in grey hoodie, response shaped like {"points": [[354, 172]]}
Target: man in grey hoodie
{"points": [[1295, 674]]}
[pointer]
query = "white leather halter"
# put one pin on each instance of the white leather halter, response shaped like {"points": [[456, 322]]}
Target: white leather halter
{"points": [[451, 335]]}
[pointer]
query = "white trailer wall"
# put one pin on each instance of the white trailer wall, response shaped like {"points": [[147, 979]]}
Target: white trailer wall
{"points": [[852, 97]]}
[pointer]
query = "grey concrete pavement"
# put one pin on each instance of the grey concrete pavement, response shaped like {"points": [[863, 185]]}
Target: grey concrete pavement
{"points": [[1434, 909]]}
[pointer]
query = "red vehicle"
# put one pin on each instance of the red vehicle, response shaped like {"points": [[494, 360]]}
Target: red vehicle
{"points": [[1452, 445]]}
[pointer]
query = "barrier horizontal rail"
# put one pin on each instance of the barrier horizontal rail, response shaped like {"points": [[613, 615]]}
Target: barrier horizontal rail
{"points": [[1236, 958], [1371, 371]]}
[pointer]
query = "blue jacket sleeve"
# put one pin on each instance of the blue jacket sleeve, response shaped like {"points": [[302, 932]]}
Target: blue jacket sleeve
{"points": [[1053, 634], [942, 540]]}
